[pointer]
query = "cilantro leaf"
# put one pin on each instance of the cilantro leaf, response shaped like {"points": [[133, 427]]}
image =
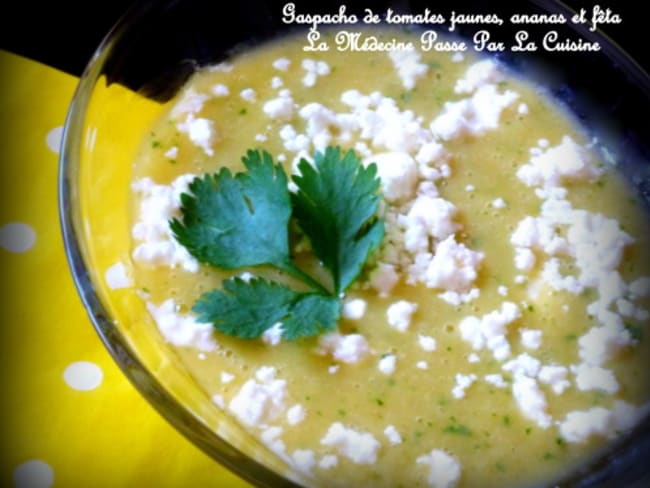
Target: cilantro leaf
{"points": [[336, 206], [246, 309], [237, 221]]}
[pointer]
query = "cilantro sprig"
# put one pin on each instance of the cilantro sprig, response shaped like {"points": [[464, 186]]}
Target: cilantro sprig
{"points": [[243, 220]]}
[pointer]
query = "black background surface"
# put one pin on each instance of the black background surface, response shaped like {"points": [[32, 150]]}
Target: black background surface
{"points": [[64, 34]]}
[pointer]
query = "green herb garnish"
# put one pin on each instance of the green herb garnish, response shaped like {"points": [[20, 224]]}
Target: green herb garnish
{"points": [[242, 220]]}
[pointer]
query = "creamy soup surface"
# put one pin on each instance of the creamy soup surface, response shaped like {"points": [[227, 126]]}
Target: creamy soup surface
{"points": [[499, 335]]}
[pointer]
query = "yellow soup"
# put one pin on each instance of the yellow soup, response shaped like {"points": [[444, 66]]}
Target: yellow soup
{"points": [[498, 336]]}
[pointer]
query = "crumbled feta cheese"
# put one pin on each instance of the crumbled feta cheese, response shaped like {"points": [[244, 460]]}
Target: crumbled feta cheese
{"points": [[295, 414], [399, 314], [477, 75], [531, 400], [201, 132], [473, 358], [383, 278], [428, 217], [387, 364], [116, 277], [589, 377], [502, 290], [498, 203], [349, 348], [427, 343], [523, 364], [522, 109], [602, 342], [260, 399], [496, 380], [565, 162], [453, 267], [171, 153], [472, 116], [444, 469], [313, 69], [359, 447], [398, 173], [276, 82], [281, 64], [490, 330], [189, 103], [408, 66], [248, 94], [220, 90], [457, 57], [279, 108], [524, 258], [303, 460], [531, 338], [328, 461], [354, 309], [226, 377], [640, 287], [470, 188], [554, 376], [454, 298], [270, 438], [273, 335], [392, 435], [219, 401], [182, 329], [422, 365], [579, 425], [463, 381]]}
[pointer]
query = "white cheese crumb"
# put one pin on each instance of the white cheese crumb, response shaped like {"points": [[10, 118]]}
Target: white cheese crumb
{"points": [[226, 377], [399, 314], [201, 132], [524, 364], [313, 69], [182, 329], [422, 365], [295, 414], [304, 460], [279, 108], [524, 258], [555, 376], [328, 461], [349, 348], [276, 82], [260, 399], [392, 435], [602, 342], [273, 335], [457, 57], [398, 173], [219, 401], [453, 267], [333, 369], [531, 338], [260, 137], [463, 381], [189, 103], [270, 438], [473, 358], [531, 400], [589, 377], [116, 277], [498, 203], [220, 90], [359, 447], [489, 331], [444, 469], [496, 380], [522, 109], [502, 290], [472, 116], [354, 309], [477, 75], [427, 343], [248, 94], [387, 364], [383, 278], [281, 64], [171, 153], [408, 66], [640, 287], [470, 188], [579, 425]]}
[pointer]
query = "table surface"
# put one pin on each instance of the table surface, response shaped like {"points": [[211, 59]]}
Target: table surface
{"points": [[70, 418]]}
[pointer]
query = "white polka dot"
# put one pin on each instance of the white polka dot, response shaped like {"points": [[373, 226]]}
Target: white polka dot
{"points": [[53, 139], [116, 277], [83, 375], [33, 474], [17, 237]]}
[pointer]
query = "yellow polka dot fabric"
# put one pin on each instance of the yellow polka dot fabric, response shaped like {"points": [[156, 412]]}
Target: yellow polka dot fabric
{"points": [[68, 417]]}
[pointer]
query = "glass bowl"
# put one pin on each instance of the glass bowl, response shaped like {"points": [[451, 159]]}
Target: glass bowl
{"points": [[143, 62]]}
